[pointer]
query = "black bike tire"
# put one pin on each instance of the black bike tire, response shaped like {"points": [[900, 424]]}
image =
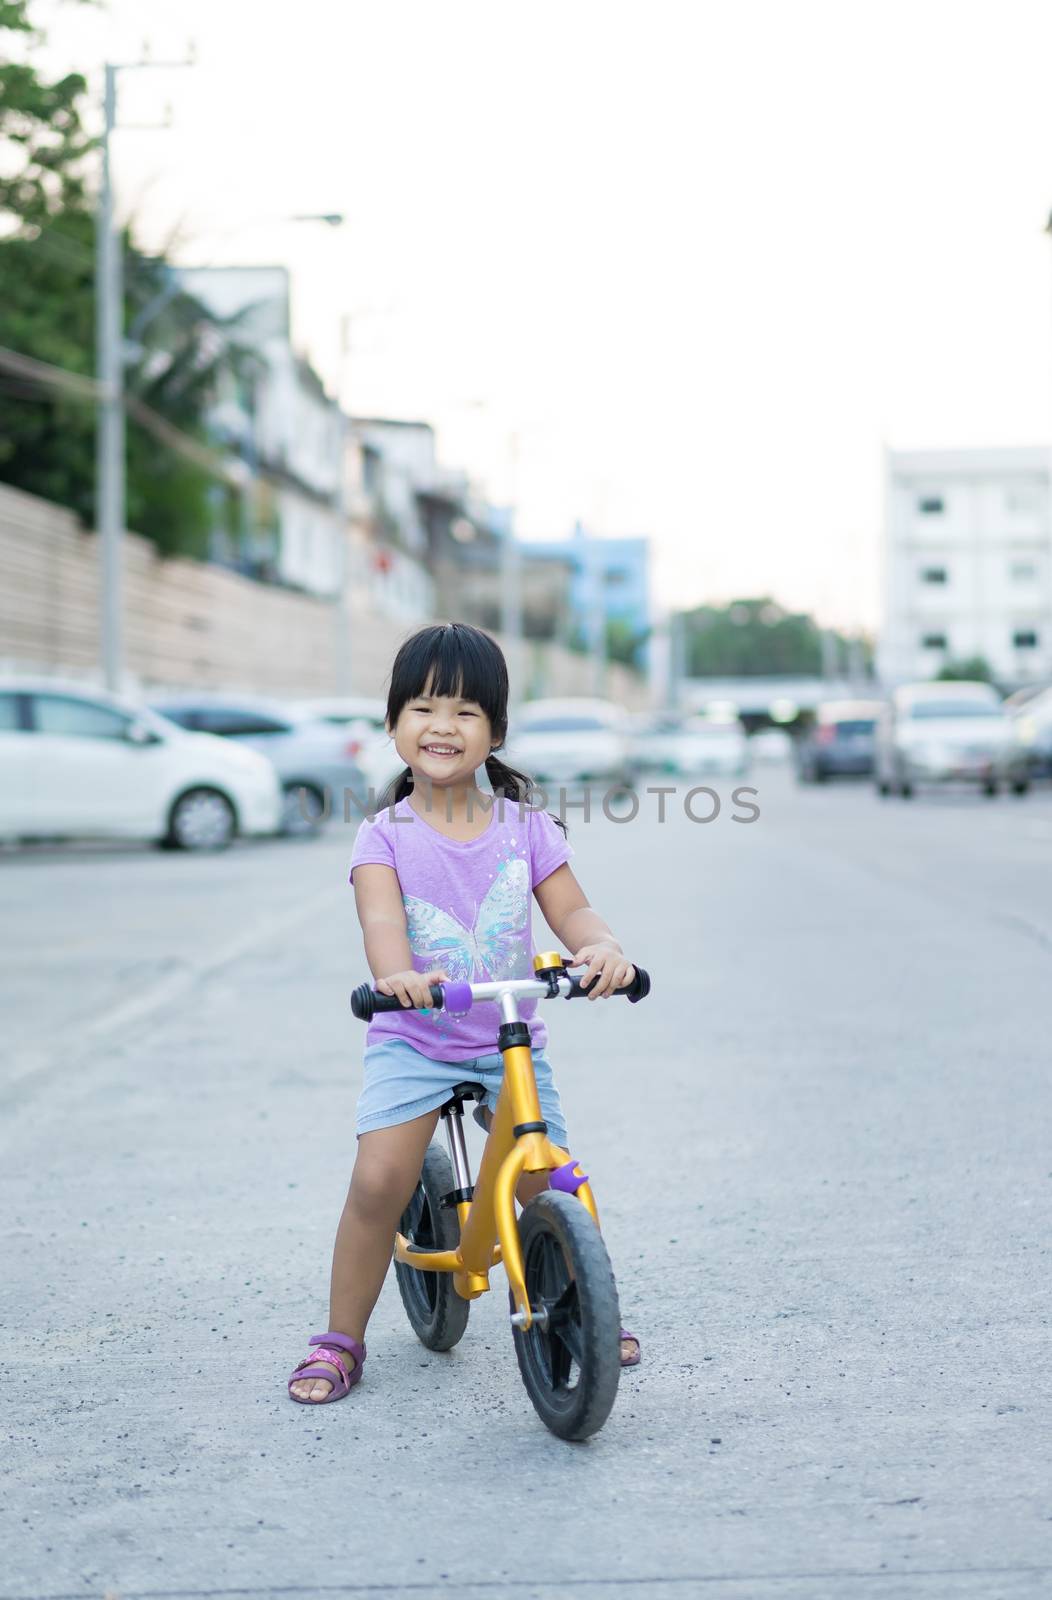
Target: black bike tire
{"points": [[437, 1314], [576, 1411]]}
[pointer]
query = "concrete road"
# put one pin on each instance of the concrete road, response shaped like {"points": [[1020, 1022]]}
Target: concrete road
{"points": [[823, 1155]]}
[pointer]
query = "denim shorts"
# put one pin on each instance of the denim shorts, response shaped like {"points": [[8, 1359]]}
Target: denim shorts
{"points": [[400, 1083]]}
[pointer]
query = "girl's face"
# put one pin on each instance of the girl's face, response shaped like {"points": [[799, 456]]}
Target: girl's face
{"points": [[445, 740]]}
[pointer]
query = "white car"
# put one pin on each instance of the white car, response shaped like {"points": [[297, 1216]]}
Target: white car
{"points": [[715, 745], [572, 741], [944, 733], [82, 763], [773, 745], [363, 718]]}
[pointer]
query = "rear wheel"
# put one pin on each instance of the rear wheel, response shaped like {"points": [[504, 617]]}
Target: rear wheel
{"points": [[438, 1314], [302, 810], [571, 1361]]}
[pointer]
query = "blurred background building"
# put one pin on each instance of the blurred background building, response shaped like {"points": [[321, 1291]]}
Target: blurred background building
{"points": [[968, 565]]}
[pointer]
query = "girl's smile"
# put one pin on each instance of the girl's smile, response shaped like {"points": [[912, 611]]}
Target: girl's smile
{"points": [[443, 737]]}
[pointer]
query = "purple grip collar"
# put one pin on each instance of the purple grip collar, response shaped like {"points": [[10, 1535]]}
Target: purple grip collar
{"points": [[456, 997], [567, 1178]]}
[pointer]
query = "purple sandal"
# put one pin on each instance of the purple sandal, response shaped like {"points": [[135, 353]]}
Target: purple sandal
{"points": [[329, 1347], [630, 1361]]}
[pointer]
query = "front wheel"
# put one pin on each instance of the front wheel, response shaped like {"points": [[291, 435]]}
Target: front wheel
{"points": [[201, 819], [570, 1367], [438, 1314]]}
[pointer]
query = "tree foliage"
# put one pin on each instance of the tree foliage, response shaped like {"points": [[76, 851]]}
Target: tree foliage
{"points": [[47, 310], [973, 669], [753, 638]]}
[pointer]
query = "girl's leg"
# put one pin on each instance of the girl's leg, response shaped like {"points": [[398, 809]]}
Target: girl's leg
{"points": [[385, 1174]]}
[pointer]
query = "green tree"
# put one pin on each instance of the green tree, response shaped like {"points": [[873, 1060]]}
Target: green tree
{"points": [[47, 310], [751, 638], [41, 134], [973, 669]]}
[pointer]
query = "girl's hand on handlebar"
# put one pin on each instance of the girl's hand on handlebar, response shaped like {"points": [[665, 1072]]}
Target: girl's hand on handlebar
{"points": [[608, 961], [413, 988]]}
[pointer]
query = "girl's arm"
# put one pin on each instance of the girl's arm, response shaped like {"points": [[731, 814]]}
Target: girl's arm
{"points": [[582, 930], [381, 912]]}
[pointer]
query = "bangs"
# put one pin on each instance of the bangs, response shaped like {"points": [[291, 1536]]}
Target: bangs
{"points": [[456, 662]]}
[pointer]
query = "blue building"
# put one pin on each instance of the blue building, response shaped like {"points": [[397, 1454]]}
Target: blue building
{"points": [[609, 584]]}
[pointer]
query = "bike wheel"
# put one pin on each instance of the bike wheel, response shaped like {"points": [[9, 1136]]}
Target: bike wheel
{"points": [[570, 1368], [438, 1314]]}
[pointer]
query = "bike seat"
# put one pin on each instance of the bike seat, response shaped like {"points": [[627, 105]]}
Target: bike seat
{"points": [[462, 1092]]}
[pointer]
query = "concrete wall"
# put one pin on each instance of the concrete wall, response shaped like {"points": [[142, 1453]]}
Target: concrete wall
{"points": [[185, 622], [191, 624]]}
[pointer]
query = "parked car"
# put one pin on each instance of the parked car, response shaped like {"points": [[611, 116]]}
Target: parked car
{"points": [[774, 745], [81, 763], [1033, 725], [841, 741], [368, 741], [709, 745], [308, 755], [1015, 702], [572, 741], [652, 736], [948, 732]]}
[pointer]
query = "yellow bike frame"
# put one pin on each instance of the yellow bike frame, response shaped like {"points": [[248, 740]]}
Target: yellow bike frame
{"points": [[489, 1233]]}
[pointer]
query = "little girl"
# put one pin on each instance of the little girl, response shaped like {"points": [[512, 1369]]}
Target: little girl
{"points": [[442, 880]]}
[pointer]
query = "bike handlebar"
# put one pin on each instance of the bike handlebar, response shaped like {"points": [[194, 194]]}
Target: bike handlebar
{"points": [[366, 1001]]}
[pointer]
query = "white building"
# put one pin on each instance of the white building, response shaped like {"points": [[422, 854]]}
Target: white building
{"points": [[967, 563], [285, 427]]}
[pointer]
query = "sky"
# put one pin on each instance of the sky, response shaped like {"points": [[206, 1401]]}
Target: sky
{"points": [[681, 270]]}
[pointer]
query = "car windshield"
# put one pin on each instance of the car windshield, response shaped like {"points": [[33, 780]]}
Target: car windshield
{"points": [[566, 724], [929, 709], [858, 725]]}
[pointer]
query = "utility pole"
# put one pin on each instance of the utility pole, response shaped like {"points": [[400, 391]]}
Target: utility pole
{"points": [[595, 609], [109, 362], [511, 587], [109, 370]]}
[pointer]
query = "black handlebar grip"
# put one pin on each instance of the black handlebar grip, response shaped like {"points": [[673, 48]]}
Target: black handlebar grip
{"points": [[638, 989], [366, 1001]]}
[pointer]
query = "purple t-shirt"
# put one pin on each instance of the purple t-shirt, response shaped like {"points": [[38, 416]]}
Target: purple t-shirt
{"points": [[468, 910]]}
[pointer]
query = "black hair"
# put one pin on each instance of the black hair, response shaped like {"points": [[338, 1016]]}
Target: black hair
{"points": [[456, 660]]}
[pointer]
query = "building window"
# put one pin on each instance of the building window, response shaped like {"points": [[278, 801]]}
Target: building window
{"points": [[1025, 639], [934, 575], [931, 505], [1026, 500], [1023, 571], [933, 641]]}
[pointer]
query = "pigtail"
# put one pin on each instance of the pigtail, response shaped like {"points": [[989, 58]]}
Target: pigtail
{"points": [[396, 790], [514, 785]]}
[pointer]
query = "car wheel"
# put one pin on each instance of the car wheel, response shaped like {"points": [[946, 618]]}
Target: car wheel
{"points": [[883, 788], [906, 790], [1021, 786], [990, 789], [201, 819], [302, 810]]}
